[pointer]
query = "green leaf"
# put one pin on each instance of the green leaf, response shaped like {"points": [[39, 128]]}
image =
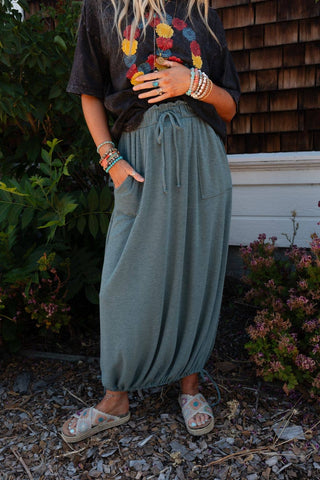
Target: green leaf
{"points": [[27, 217], [104, 223], [13, 214], [93, 225], [60, 42], [105, 198], [55, 92], [45, 156], [93, 200], [81, 224], [45, 169], [12, 190]]}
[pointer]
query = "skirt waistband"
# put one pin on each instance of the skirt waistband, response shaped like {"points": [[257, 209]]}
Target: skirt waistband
{"points": [[179, 108]]}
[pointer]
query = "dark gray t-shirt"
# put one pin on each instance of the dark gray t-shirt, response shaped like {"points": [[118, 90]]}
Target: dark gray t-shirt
{"points": [[106, 68]]}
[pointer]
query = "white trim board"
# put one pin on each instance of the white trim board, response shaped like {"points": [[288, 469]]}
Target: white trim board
{"points": [[267, 187]]}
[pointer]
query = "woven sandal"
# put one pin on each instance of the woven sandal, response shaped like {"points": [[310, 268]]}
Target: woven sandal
{"points": [[91, 421], [191, 405]]}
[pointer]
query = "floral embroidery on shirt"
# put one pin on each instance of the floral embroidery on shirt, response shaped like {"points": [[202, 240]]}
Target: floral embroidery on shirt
{"points": [[164, 44]]}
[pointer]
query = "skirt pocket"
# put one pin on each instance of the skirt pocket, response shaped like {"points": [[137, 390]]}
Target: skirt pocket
{"points": [[127, 197], [214, 174]]}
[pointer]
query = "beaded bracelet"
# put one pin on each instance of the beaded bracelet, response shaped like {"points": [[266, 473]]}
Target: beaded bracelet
{"points": [[113, 163], [192, 75], [104, 143]]}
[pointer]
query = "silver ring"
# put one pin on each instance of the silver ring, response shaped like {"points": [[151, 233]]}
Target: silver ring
{"points": [[160, 91]]}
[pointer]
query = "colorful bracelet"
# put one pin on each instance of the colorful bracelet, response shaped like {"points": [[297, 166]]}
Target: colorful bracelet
{"points": [[104, 143], [192, 74], [113, 163]]}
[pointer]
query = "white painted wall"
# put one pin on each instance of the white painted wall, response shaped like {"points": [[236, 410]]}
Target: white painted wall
{"points": [[266, 188]]}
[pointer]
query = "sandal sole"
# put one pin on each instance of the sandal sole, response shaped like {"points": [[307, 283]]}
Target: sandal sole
{"points": [[96, 429], [197, 432]]}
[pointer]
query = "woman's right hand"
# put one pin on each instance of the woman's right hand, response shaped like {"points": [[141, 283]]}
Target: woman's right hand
{"points": [[121, 170]]}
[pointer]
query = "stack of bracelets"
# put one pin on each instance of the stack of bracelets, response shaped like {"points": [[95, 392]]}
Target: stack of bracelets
{"points": [[200, 84], [112, 156]]}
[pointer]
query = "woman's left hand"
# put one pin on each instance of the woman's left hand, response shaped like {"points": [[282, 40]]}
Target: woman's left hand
{"points": [[170, 82]]}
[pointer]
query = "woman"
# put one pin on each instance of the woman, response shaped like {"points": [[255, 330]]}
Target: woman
{"points": [[164, 73]]}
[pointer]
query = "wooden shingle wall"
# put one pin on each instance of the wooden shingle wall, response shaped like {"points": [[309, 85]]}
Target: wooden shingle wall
{"points": [[275, 46]]}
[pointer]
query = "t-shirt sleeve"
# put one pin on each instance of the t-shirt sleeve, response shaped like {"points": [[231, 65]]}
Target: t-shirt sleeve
{"points": [[89, 74]]}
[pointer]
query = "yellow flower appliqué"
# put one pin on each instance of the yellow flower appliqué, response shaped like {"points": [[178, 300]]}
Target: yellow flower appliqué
{"points": [[134, 78], [126, 47], [164, 30], [197, 61]]}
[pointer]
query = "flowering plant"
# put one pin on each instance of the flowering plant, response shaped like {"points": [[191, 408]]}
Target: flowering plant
{"points": [[285, 336], [38, 302]]}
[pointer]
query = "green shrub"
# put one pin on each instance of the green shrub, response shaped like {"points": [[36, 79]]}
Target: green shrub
{"points": [[285, 337], [54, 200]]}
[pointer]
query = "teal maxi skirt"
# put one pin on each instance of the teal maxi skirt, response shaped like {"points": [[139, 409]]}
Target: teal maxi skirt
{"points": [[166, 252]]}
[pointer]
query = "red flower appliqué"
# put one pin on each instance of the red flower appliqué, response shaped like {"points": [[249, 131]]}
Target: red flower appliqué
{"points": [[175, 59], [179, 24], [127, 33], [164, 43], [195, 48], [151, 60], [132, 70]]}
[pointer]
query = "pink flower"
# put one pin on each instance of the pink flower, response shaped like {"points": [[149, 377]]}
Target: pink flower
{"points": [[305, 363]]}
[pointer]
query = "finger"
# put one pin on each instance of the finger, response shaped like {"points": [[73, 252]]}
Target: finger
{"points": [[152, 93], [137, 176], [145, 85], [159, 98], [147, 78]]}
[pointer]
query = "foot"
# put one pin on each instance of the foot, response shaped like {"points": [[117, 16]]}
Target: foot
{"points": [[113, 403], [190, 386]]}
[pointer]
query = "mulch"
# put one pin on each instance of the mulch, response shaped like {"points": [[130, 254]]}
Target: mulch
{"points": [[260, 433]]}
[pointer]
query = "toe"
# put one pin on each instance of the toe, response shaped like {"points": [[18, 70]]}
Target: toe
{"points": [[68, 427], [199, 421]]}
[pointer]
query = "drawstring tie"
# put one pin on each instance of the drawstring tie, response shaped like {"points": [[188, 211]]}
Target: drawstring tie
{"points": [[205, 374], [166, 147]]}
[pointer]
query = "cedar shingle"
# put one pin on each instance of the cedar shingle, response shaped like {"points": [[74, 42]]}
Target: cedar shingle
{"points": [[266, 58], [267, 80], [312, 56], [309, 98], [298, 77], [253, 36], [293, 55], [309, 29], [297, 9], [275, 122], [247, 81], [254, 102], [282, 101], [235, 39], [296, 141], [281, 33], [241, 60], [312, 119], [238, 17], [241, 124], [227, 3], [266, 12]]}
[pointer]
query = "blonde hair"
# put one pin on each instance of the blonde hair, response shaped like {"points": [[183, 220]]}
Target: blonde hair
{"points": [[141, 7]]}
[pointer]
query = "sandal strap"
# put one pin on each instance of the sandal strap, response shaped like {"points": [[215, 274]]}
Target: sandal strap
{"points": [[90, 417], [191, 405]]}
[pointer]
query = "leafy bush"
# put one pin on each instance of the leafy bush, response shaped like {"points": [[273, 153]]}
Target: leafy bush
{"points": [[54, 201], [285, 337]]}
